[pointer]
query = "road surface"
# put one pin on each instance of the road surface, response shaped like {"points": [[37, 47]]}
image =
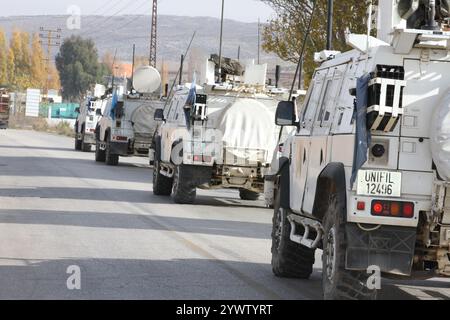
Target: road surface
{"points": [[59, 208]]}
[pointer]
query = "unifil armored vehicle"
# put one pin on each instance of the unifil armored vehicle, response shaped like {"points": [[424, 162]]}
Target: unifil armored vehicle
{"points": [[366, 176], [217, 135], [88, 116], [126, 127]]}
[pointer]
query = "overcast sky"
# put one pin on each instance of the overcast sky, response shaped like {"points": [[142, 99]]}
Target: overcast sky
{"points": [[242, 10]]}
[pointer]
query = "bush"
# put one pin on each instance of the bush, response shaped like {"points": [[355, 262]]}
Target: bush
{"points": [[40, 124], [64, 128]]}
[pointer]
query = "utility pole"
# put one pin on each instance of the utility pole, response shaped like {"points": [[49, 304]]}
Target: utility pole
{"points": [[154, 34], [50, 38], [221, 40], [330, 26], [259, 41]]}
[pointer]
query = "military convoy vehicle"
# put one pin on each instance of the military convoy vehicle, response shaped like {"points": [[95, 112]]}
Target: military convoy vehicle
{"points": [[88, 117], [218, 135], [366, 176], [126, 127]]}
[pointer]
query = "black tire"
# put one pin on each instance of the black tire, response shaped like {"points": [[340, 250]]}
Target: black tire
{"points": [[110, 159], [100, 155], [289, 259], [77, 144], [85, 147], [182, 191], [245, 194], [162, 185], [337, 282]]}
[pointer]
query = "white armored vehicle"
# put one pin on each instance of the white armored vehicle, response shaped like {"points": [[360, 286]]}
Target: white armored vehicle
{"points": [[88, 117], [216, 136], [366, 177], [127, 126]]}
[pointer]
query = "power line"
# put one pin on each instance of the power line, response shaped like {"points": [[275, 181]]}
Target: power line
{"points": [[132, 19], [110, 17], [99, 14]]}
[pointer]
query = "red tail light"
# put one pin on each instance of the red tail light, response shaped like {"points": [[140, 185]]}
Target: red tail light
{"points": [[408, 210], [392, 209], [361, 206]]}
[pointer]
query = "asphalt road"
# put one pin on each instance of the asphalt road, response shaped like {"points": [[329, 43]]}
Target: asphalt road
{"points": [[59, 208]]}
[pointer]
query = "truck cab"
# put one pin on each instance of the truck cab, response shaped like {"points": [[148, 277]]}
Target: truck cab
{"points": [[366, 176]]}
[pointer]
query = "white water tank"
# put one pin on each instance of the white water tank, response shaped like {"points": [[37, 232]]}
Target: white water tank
{"points": [[440, 137], [146, 79]]}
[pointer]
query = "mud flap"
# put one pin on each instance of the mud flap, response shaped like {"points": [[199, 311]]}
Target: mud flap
{"points": [[119, 148], [391, 248]]}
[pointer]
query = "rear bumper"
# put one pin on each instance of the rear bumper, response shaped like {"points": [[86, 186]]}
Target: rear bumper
{"points": [[250, 178]]}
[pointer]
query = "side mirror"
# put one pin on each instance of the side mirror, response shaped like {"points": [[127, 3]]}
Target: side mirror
{"points": [[77, 110], [285, 115], [98, 112], [159, 115]]}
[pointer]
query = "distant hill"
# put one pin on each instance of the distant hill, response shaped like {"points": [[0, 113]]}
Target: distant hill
{"points": [[174, 33]]}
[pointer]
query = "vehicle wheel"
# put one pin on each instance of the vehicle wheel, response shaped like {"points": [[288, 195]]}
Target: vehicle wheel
{"points": [[77, 144], [110, 159], [162, 185], [85, 147], [337, 282], [99, 154], [182, 191], [248, 195], [289, 259]]}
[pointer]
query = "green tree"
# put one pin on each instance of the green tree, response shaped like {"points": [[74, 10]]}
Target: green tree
{"points": [[284, 34], [3, 59], [78, 66]]}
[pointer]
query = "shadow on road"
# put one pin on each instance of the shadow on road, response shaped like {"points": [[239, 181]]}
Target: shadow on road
{"points": [[136, 221], [73, 168], [204, 279], [149, 279], [36, 148]]}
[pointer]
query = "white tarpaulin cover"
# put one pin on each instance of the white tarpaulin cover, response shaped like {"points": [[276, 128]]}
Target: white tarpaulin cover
{"points": [[142, 118], [440, 137], [248, 129]]}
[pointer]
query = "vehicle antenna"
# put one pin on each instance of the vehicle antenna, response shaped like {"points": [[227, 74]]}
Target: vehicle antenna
{"points": [[179, 70], [302, 52]]}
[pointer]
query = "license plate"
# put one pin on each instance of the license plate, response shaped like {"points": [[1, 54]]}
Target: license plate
{"points": [[379, 183]]}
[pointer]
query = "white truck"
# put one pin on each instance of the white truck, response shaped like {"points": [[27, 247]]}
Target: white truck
{"points": [[88, 116], [223, 138], [366, 177], [126, 127]]}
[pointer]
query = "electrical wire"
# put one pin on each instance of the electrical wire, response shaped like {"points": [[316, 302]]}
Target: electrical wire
{"points": [[132, 18], [95, 13], [101, 23]]}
